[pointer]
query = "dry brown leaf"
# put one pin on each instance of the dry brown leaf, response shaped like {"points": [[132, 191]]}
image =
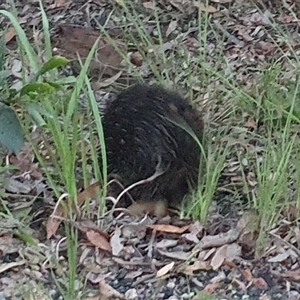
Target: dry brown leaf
{"points": [[172, 26], [280, 257], [54, 221], [196, 228], [186, 7], [24, 162], [226, 252], [149, 4], [198, 265], [210, 288], [191, 237], [165, 243], [169, 228], [218, 240], [59, 3], [10, 34], [291, 275], [98, 240], [116, 242], [130, 231], [87, 225], [247, 274], [297, 236], [107, 292], [204, 255], [208, 9], [282, 18], [6, 266], [110, 80], [248, 227], [134, 274], [251, 123], [230, 264], [180, 255], [165, 270], [260, 283], [60, 214], [291, 212], [241, 284], [9, 244]]}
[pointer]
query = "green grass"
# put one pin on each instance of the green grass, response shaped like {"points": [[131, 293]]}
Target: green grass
{"points": [[71, 136], [63, 130]]}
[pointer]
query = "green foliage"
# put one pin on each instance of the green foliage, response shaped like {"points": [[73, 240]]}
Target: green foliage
{"points": [[11, 133]]}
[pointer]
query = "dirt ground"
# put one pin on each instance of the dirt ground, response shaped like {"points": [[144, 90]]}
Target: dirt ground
{"points": [[144, 258]]}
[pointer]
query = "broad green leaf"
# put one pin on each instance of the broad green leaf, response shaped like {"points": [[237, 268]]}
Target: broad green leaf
{"points": [[53, 63], [37, 88], [11, 133]]}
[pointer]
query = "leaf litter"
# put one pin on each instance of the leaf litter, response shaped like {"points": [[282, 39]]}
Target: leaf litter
{"points": [[133, 258]]}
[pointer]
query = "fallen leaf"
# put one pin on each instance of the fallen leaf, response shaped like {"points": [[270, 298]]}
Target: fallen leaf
{"points": [[165, 243], [87, 225], [208, 9], [210, 241], [165, 270], [116, 242], [60, 3], [251, 123], [169, 228], [98, 240], [198, 265], [186, 7], [110, 80], [107, 292], [61, 211], [7, 266], [241, 284], [133, 274], [226, 252], [247, 274], [196, 228], [191, 237], [210, 288], [23, 160], [292, 275], [54, 220], [279, 257], [10, 34], [180, 255], [260, 283], [149, 4], [172, 26]]}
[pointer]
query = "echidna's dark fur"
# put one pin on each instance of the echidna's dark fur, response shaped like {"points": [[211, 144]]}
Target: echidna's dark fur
{"points": [[143, 130]]}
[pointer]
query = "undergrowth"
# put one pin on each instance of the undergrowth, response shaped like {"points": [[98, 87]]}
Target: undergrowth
{"points": [[71, 137]]}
